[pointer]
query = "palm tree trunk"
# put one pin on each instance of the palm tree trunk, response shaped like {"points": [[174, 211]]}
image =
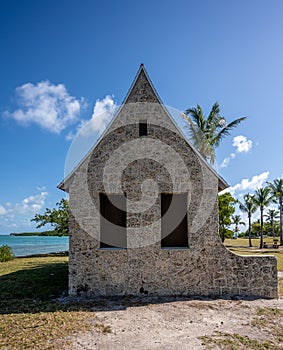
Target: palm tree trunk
{"points": [[250, 237], [261, 228], [281, 218], [272, 229], [237, 230], [222, 234]]}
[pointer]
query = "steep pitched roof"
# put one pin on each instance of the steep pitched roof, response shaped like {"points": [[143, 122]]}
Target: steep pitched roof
{"points": [[141, 90]]}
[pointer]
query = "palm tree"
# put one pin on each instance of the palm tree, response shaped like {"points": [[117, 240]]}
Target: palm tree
{"points": [[271, 215], [207, 132], [277, 191], [236, 220], [248, 207], [262, 198]]}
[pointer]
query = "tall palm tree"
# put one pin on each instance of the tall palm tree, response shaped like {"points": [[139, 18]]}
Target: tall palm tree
{"points": [[277, 191], [271, 216], [262, 198], [237, 220], [207, 132], [248, 207]]}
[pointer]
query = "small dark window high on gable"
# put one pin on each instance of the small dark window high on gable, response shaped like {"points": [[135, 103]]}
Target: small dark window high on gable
{"points": [[143, 128], [174, 223], [113, 221]]}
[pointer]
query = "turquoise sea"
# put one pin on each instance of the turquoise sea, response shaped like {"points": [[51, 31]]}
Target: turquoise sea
{"points": [[29, 245]]}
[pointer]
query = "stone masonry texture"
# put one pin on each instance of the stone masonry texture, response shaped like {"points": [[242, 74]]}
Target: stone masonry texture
{"points": [[142, 169]]}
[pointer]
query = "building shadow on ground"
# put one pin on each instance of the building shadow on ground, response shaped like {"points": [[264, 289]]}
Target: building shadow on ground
{"points": [[44, 289]]}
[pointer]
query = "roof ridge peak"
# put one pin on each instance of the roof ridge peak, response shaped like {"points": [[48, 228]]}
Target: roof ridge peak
{"points": [[142, 89]]}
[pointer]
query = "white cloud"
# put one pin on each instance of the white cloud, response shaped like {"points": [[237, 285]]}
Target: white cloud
{"points": [[103, 112], [247, 185], [20, 214], [3, 211], [227, 160], [29, 205], [41, 188], [47, 105], [242, 143], [70, 136]]}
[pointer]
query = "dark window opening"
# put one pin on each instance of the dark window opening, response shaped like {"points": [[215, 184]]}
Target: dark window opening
{"points": [[143, 128], [113, 221], [174, 220]]}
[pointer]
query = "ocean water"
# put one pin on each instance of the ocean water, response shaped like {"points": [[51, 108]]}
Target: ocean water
{"points": [[29, 245]]}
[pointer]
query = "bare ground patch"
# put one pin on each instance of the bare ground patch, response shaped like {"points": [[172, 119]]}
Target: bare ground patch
{"points": [[184, 324]]}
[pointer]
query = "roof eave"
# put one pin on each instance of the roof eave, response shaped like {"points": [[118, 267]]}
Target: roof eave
{"points": [[62, 186], [222, 184]]}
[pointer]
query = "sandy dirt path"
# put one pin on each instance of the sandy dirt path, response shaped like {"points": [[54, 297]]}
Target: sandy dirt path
{"points": [[170, 324]]}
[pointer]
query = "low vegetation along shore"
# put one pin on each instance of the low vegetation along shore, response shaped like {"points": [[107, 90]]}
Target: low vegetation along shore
{"points": [[33, 318], [43, 233]]}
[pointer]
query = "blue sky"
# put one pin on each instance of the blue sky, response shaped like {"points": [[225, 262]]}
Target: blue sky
{"points": [[61, 59]]}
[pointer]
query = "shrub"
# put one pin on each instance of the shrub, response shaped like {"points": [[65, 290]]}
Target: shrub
{"points": [[229, 233], [6, 253]]}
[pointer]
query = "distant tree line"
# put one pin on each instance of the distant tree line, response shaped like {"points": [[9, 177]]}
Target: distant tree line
{"points": [[42, 233], [270, 222], [259, 201]]}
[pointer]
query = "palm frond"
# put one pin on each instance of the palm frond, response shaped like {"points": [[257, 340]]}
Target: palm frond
{"points": [[197, 116], [226, 131], [276, 187], [207, 133], [214, 114], [199, 140], [235, 123], [262, 196], [248, 206]]}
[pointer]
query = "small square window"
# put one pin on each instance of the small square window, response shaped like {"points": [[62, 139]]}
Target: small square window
{"points": [[143, 128]]}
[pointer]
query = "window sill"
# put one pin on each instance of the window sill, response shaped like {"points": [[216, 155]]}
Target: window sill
{"points": [[175, 248], [112, 248]]}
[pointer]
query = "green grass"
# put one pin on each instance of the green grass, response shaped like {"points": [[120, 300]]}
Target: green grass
{"points": [[245, 241], [34, 278], [236, 341], [30, 318], [241, 246], [42, 330], [280, 289], [103, 328], [268, 321]]}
